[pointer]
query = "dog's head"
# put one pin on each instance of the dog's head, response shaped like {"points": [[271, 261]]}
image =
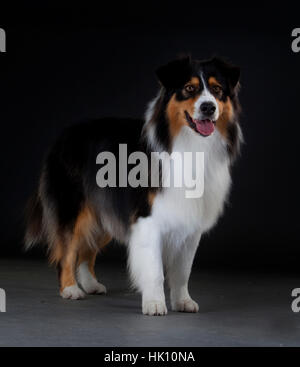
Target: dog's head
{"points": [[200, 94]]}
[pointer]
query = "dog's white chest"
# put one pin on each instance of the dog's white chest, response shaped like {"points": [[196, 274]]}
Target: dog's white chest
{"points": [[179, 216]]}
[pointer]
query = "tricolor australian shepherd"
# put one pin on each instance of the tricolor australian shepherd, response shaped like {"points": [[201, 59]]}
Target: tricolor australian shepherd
{"points": [[196, 110]]}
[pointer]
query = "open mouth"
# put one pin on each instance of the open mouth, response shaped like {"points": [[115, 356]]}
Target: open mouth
{"points": [[204, 127]]}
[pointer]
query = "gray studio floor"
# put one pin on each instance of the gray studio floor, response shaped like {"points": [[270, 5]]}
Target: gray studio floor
{"points": [[236, 309]]}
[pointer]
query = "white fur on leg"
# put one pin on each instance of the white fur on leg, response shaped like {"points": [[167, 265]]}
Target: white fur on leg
{"points": [[154, 308], [145, 265], [185, 305], [72, 292], [179, 268], [88, 282]]}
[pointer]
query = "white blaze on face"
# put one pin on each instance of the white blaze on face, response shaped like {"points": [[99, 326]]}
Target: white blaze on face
{"points": [[205, 96]]}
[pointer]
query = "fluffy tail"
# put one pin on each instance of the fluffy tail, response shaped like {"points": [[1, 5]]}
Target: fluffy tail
{"points": [[34, 222]]}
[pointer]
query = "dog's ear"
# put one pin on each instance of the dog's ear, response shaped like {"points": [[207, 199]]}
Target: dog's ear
{"points": [[176, 73], [230, 71]]}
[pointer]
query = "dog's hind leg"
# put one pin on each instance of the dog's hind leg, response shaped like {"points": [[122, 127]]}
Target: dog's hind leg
{"points": [[63, 254], [85, 267], [67, 252], [67, 271]]}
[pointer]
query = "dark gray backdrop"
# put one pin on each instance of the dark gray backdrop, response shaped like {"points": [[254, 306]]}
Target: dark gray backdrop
{"points": [[63, 65]]}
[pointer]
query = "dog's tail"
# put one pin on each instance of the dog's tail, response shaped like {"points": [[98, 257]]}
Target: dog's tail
{"points": [[34, 222]]}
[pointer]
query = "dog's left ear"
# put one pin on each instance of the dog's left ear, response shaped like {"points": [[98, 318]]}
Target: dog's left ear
{"points": [[175, 74], [230, 71]]}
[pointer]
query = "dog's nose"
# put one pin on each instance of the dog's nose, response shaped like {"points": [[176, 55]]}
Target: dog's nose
{"points": [[207, 108]]}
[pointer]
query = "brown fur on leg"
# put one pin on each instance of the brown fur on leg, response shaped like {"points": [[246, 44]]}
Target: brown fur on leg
{"points": [[83, 229], [68, 284], [65, 253], [68, 264], [70, 250]]}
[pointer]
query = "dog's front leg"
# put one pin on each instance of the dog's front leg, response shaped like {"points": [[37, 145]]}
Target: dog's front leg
{"points": [[146, 267], [179, 265]]}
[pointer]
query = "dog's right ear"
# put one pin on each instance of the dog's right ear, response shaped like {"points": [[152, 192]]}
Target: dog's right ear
{"points": [[175, 74]]}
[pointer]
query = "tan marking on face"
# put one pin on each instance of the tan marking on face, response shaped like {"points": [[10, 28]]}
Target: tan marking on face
{"points": [[225, 110], [225, 116], [176, 115], [213, 81], [175, 109], [194, 80]]}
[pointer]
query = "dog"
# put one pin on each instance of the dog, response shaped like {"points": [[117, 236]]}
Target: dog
{"points": [[196, 110]]}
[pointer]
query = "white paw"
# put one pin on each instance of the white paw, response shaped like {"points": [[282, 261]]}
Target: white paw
{"points": [[185, 305], [87, 281], [72, 292], [154, 308], [94, 287]]}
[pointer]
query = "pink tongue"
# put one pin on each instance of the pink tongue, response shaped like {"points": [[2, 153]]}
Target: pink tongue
{"points": [[204, 127]]}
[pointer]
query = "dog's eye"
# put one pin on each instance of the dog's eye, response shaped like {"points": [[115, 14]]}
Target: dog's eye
{"points": [[216, 89], [190, 88]]}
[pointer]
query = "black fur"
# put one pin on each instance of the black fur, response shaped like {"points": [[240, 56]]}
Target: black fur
{"points": [[71, 170]]}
